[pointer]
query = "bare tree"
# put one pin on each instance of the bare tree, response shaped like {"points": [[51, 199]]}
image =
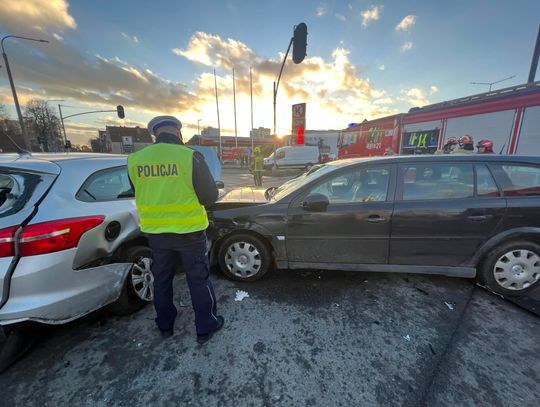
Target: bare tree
{"points": [[10, 132], [45, 126]]}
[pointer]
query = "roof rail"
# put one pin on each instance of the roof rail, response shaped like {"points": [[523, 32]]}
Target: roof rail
{"points": [[524, 88]]}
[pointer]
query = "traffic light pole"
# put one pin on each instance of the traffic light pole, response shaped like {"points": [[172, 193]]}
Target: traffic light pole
{"points": [[79, 114], [276, 86]]}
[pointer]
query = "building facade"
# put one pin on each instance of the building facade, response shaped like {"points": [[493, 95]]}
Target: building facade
{"points": [[122, 140]]}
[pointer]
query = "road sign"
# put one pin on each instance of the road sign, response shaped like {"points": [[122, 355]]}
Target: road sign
{"points": [[298, 122]]}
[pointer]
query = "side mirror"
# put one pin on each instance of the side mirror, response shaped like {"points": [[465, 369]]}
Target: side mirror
{"points": [[315, 203], [220, 185]]}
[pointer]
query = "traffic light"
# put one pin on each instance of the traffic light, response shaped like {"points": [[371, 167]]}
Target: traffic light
{"points": [[68, 144], [120, 111], [299, 43]]}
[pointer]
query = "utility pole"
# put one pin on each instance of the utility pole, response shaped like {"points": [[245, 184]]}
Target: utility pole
{"points": [[218, 122], [199, 131], [13, 90], [49, 120], [251, 94], [234, 102], [63, 127]]}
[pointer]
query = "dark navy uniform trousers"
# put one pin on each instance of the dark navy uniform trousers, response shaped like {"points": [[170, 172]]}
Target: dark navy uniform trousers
{"points": [[167, 250]]}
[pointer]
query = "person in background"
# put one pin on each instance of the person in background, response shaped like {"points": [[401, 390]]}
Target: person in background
{"points": [[389, 151], [450, 144], [485, 147], [172, 185], [258, 167], [249, 157], [466, 145]]}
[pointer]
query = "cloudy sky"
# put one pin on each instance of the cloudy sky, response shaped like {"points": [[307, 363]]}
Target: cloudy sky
{"points": [[366, 59]]}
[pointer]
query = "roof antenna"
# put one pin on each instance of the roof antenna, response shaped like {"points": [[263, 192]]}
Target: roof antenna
{"points": [[18, 149]]}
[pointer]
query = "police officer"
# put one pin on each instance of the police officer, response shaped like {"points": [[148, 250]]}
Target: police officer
{"points": [[172, 186], [258, 167]]}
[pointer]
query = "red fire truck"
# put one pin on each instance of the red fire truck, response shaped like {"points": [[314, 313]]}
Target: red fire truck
{"points": [[370, 138], [509, 117]]}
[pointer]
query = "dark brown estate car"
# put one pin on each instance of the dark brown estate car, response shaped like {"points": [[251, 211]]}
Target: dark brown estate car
{"points": [[475, 216]]}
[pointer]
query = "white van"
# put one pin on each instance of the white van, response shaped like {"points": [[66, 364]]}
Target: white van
{"points": [[293, 157]]}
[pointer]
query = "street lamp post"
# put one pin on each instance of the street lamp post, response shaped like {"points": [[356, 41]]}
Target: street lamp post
{"points": [[12, 84]]}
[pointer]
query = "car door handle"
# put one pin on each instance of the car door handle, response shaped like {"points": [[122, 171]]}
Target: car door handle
{"points": [[478, 218], [375, 219]]}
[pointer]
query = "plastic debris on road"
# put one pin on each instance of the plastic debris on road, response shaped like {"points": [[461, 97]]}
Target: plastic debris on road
{"points": [[240, 295], [449, 305], [407, 338]]}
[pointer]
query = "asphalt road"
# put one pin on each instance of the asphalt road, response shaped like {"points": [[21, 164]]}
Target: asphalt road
{"points": [[301, 338], [236, 177]]}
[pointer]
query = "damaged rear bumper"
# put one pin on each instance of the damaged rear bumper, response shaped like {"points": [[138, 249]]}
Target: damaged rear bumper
{"points": [[46, 289]]}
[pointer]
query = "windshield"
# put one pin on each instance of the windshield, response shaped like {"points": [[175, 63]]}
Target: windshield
{"points": [[295, 183]]}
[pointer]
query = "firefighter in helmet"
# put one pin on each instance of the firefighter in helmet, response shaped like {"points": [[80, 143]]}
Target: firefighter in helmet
{"points": [[466, 145], [449, 145], [485, 147]]}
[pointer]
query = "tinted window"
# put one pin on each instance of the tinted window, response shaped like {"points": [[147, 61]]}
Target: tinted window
{"points": [[358, 185], [106, 185], [437, 181], [518, 180], [485, 184]]}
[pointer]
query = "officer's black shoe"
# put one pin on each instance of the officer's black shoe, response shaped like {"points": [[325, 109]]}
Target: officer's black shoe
{"points": [[201, 339], [167, 333]]}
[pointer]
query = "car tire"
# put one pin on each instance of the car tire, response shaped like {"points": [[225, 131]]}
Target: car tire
{"points": [[511, 269], [19, 339], [244, 257], [138, 289]]}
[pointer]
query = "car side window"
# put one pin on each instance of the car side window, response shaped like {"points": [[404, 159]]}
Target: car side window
{"points": [[106, 185], [518, 180], [358, 185], [437, 181], [485, 184], [280, 155]]}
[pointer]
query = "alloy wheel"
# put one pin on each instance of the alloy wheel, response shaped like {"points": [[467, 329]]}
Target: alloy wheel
{"points": [[142, 278]]}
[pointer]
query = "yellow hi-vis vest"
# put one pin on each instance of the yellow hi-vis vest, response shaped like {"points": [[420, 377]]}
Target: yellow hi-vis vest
{"points": [[164, 193]]}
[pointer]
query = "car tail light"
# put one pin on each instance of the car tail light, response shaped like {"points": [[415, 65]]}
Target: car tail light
{"points": [[7, 246], [57, 235]]}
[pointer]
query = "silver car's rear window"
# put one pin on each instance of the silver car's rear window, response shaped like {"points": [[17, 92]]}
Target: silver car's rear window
{"points": [[16, 188]]}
